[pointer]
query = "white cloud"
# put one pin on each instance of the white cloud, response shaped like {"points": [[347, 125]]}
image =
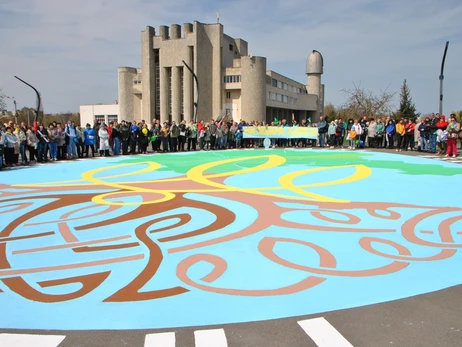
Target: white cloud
{"points": [[71, 50]]}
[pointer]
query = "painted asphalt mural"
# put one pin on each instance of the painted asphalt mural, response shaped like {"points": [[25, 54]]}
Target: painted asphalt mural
{"points": [[160, 241]]}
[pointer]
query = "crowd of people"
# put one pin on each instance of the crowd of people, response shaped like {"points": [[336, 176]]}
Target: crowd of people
{"points": [[21, 144]]}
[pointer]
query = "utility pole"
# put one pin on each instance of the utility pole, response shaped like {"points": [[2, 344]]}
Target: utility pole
{"points": [[15, 109]]}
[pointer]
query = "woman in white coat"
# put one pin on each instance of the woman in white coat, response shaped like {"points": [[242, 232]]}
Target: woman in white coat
{"points": [[103, 141]]}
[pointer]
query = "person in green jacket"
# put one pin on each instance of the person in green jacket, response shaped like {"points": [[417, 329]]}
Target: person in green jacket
{"points": [[379, 132]]}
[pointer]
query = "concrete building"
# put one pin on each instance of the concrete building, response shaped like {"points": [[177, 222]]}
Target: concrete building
{"points": [[101, 113], [230, 80]]}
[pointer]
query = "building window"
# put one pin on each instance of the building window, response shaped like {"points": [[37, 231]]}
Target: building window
{"points": [[182, 90], [112, 118], [232, 79], [269, 95], [137, 82], [228, 95], [279, 84], [285, 99], [157, 66], [100, 118], [231, 47], [273, 96], [279, 97], [274, 83], [169, 71]]}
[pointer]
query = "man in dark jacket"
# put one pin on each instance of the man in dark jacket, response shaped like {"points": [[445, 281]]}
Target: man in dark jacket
{"points": [[213, 133], [432, 132]]}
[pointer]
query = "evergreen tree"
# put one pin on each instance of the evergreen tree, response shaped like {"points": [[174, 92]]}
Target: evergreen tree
{"points": [[406, 105]]}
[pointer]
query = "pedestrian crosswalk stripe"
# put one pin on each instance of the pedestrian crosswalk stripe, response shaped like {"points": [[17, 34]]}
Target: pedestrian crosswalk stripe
{"points": [[210, 338], [160, 340], [29, 340], [323, 333]]}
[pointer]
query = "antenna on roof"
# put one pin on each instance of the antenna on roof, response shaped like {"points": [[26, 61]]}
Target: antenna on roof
{"points": [[218, 16]]}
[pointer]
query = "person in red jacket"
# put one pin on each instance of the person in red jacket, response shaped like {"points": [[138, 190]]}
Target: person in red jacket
{"points": [[442, 123], [409, 135]]}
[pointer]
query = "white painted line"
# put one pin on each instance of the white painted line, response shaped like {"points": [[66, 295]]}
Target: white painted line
{"points": [[160, 340], [323, 333], [28, 340], [210, 338]]}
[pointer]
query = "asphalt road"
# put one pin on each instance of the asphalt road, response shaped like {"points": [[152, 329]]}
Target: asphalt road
{"points": [[428, 320]]}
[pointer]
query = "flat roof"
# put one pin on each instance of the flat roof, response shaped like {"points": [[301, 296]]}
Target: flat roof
{"points": [[275, 74]]}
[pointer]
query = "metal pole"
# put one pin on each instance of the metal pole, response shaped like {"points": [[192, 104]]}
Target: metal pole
{"points": [[38, 102], [15, 112], [196, 104], [442, 78]]}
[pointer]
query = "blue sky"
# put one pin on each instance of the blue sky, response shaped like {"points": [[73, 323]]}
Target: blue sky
{"points": [[70, 50]]}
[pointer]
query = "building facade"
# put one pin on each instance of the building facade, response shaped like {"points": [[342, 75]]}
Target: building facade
{"points": [[101, 113], [230, 81]]}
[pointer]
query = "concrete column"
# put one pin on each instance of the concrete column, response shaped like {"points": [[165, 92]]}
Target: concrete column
{"points": [[176, 31], [176, 92], [164, 104], [253, 102], [164, 32], [188, 81], [148, 71], [188, 28], [125, 97], [217, 80]]}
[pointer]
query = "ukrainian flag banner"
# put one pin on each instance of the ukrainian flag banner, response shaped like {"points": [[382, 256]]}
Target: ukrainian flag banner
{"points": [[258, 132]]}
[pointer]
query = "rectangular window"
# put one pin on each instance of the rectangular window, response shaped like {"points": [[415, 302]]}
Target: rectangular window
{"points": [[182, 91], [279, 97], [232, 79], [285, 98], [231, 47], [169, 72], [228, 95], [112, 118], [274, 82], [100, 118], [135, 82], [273, 96], [157, 67], [279, 84]]}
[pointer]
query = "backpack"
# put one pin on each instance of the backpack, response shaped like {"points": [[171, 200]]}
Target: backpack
{"points": [[352, 134]]}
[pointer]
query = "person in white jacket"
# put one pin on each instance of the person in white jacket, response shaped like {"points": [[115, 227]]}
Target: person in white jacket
{"points": [[103, 141]]}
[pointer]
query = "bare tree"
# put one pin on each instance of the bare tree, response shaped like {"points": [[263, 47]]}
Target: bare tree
{"points": [[361, 102]]}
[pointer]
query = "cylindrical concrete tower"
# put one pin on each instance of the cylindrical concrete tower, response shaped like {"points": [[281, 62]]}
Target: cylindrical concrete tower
{"points": [[314, 70], [126, 102], [253, 88]]}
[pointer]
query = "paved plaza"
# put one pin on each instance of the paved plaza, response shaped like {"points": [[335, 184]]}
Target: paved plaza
{"points": [[294, 247]]}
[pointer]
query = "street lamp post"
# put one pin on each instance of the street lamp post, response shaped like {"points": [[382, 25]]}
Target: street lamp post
{"points": [[196, 103], [442, 78], [15, 109], [39, 100]]}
